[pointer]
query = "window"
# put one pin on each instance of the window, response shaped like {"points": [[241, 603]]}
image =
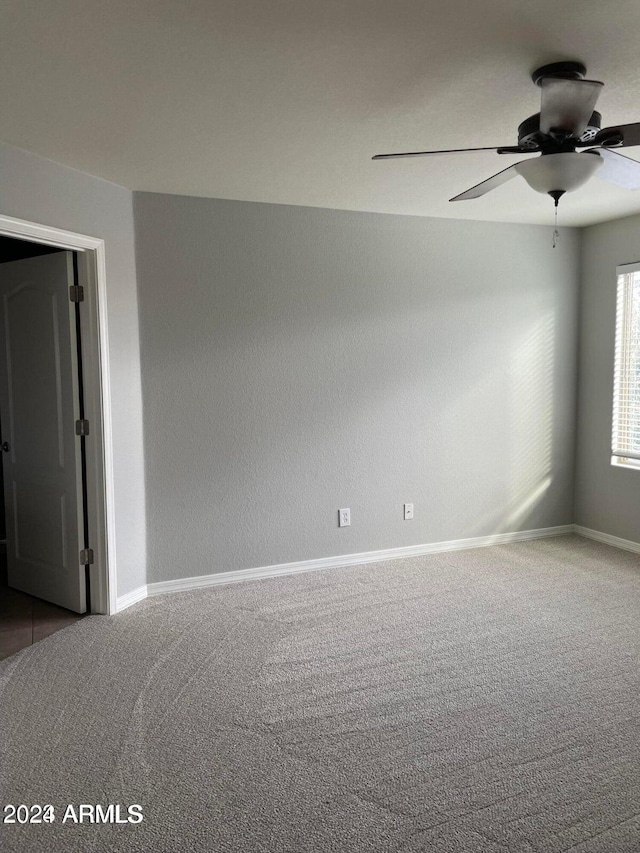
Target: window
{"points": [[626, 395]]}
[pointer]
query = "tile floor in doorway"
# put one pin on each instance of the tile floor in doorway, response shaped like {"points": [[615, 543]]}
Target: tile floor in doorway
{"points": [[24, 619]]}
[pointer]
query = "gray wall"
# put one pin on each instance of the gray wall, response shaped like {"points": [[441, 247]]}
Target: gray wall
{"points": [[607, 498], [45, 192], [297, 360]]}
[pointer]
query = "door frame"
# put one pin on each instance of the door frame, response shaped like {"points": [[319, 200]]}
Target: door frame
{"points": [[97, 392]]}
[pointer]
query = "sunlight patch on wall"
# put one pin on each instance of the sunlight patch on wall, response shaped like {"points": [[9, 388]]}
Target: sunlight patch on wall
{"points": [[531, 426]]}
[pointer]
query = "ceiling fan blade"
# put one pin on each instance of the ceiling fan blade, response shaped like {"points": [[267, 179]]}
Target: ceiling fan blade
{"points": [[617, 169], [505, 149], [627, 134], [490, 184], [567, 104]]}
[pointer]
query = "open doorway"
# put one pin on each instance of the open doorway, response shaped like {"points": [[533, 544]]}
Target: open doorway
{"points": [[55, 470], [43, 497]]}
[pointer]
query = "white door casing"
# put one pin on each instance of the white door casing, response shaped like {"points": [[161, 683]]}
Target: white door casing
{"points": [[39, 406]]}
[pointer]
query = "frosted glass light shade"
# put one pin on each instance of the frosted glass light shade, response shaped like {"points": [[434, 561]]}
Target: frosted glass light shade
{"points": [[564, 172]]}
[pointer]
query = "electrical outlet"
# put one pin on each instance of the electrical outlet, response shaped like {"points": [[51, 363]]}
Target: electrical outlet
{"points": [[408, 512], [344, 517]]}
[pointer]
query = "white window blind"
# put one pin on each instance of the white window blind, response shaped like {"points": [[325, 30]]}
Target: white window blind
{"points": [[626, 398]]}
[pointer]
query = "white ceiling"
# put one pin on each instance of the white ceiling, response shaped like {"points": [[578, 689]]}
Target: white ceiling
{"points": [[285, 101]]}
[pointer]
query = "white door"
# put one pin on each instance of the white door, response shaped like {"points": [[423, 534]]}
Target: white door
{"points": [[38, 410]]}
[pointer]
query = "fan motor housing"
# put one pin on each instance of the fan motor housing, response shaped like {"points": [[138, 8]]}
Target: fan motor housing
{"points": [[565, 70], [529, 135]]}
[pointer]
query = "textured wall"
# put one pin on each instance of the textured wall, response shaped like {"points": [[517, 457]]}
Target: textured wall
{"points": [[50, 194], [298, 360], [607, 497]]}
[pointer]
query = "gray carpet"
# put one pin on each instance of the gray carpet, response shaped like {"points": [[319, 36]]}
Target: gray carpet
{"points": [[483, 700]]}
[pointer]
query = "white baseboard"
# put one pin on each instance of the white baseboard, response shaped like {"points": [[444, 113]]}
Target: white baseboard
{"points": [[133, 597], [607, 539], [183, 584]]}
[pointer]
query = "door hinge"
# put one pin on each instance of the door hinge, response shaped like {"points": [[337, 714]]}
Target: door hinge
{"points": [[86, 557], [76, 293], [82, 427]]}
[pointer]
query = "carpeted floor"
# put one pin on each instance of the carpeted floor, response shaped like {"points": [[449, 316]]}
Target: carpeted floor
{"points": [[484, 700]]}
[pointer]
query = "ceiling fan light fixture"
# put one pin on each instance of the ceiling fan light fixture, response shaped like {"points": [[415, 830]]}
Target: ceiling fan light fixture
{"points": [[567, 120], [566, 171]]}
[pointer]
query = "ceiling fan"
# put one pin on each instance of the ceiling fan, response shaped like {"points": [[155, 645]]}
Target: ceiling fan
{"points": [[566, 122]]}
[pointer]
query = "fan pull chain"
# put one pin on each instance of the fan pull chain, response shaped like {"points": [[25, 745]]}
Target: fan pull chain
{"points": [[556, 195], [556, 233]]}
